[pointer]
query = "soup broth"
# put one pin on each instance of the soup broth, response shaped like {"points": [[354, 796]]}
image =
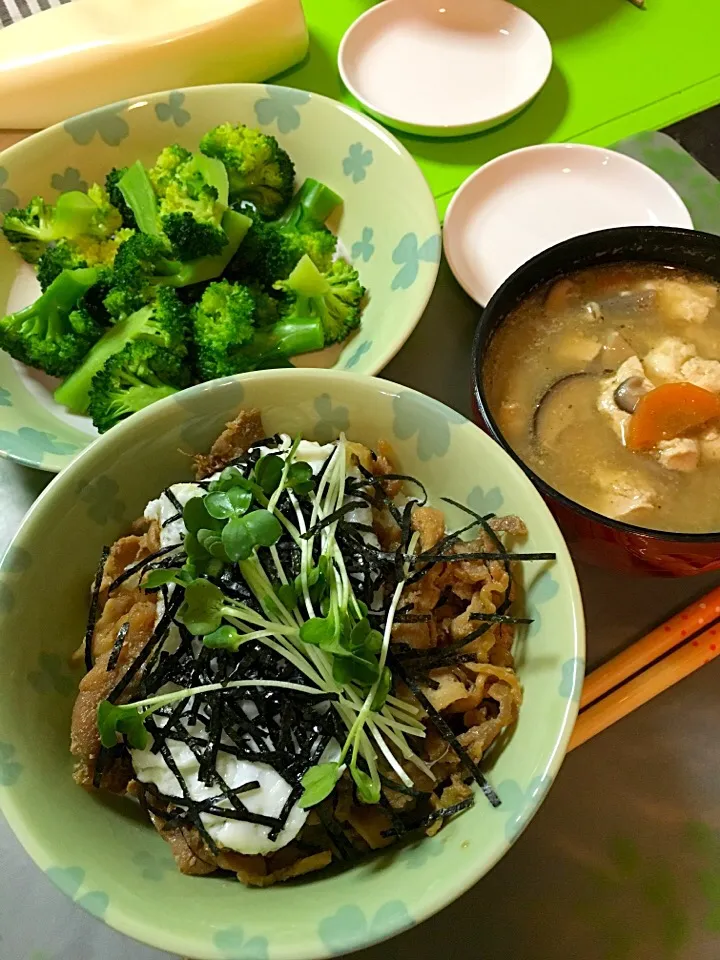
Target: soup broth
{"points": [[607, 384]]}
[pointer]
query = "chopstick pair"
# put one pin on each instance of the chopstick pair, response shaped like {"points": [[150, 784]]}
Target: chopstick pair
{"points": [[666, 655]]}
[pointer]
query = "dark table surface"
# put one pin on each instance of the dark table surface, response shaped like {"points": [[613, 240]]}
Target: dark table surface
{"points": [[622, 861]]}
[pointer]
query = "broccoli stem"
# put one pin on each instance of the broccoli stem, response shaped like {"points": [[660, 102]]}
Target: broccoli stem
{"points": [[213, 173], [236, 226], [56, 303], [74, 393], [311, 205], [137, 189], [307, 281], [290, 338], [74, 212]]}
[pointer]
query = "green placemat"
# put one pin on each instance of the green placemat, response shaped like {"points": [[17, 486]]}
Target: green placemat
{"points": [[617, 71]]}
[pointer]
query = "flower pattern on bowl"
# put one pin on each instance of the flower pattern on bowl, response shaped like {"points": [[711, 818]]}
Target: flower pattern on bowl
{"points": [[433, 434], [10, 769], [173, 110], [519, 805], [8, 199], [356, 162], [234, 946], [280, 107], [543, 588], [485, 501], [332, 420], [151, 865], [52, 675], [5, 398], [103, 501], [364, 248], [105, 122], [7, 598], [69, 180], [408, 254], [31, 446], [16, 560], [350, 928], [70, 880], [359, 353], [570, 684]]}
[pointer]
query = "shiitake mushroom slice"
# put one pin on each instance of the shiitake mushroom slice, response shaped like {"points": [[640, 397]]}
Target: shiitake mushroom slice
{"points": [[566, 400]]}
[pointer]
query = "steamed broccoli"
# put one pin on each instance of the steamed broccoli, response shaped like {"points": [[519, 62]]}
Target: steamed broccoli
{"points": [[223, 322], [335, 297], [164, 171], [184, 196], [260, 171], [30, 229], [270, 253], [56, 332], [311, 207], [117, 199], [141, 264], [227, 340], [164, 322], [145, 262], [132, 379], [273, 249], [82, 251]]}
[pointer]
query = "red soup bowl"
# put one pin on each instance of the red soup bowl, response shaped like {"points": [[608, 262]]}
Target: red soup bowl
{"points": [[594, 538]]}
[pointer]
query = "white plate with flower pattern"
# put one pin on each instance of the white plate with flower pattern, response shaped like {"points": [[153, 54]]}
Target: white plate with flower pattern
{"points": [[388, 225]]}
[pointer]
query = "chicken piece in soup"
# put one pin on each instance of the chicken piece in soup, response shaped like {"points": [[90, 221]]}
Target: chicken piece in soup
{"points": [[606, 383]]}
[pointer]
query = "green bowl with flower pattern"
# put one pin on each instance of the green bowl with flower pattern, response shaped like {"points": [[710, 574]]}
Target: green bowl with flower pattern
{"points": [[388, 225], [97, 850]]}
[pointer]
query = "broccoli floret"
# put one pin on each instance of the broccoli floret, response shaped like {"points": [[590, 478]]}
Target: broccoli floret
{"points": [[227, 340], [183, 196], [117, 199], [259, 170], [82, 251], [223, 322], [163, 173], [131, 380], [192, 205], [267, 307], [105, 220], [141, 264], [144, 262], [270, 252], [192, 238], [58, 257], [334, 297], [31, 229], [55, 332], [165, 322]]}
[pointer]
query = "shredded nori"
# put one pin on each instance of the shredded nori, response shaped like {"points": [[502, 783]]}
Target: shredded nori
{"points": [[130, 571], [117, 646], [446, 733], [92, 613], [499, 618], [442, 814], [284, 729]]}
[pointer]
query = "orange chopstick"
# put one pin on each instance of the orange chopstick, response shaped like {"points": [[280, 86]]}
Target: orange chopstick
{"points": [[655, 644], [646, 685]]}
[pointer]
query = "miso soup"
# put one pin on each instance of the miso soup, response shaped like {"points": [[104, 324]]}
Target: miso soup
{"points": [[606, 383]]}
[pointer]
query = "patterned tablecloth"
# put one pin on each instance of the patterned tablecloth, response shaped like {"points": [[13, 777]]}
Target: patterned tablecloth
{"points": [[623, 860]]}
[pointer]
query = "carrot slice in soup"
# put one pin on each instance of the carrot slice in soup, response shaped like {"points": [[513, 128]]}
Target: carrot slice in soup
{"points": [[668, 411]]}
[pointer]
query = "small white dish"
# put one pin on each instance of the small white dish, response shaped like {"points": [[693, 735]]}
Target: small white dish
{"points": [[526, 201], [444, 67]]}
